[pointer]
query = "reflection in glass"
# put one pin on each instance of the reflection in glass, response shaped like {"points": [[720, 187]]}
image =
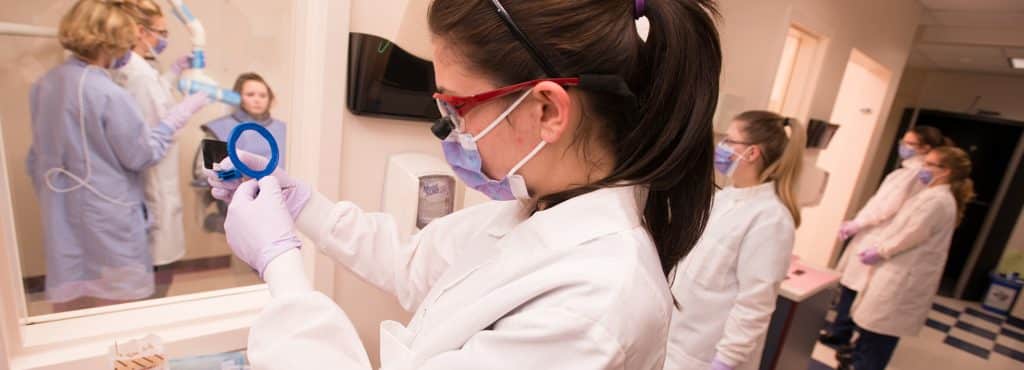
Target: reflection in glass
{"points": [[105, 210]]}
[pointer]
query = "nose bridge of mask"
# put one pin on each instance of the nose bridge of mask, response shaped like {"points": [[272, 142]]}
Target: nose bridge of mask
{"points": [[502, 116]]}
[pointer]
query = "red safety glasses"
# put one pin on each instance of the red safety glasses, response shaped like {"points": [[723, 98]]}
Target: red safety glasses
{"points": [[455, 107]]}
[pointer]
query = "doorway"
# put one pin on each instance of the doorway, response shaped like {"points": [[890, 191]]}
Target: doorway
{"points": [[861, 96]]}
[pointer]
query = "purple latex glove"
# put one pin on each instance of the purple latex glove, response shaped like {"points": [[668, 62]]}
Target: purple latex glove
{"points": [[178, 115], [870, 256], [717, 364], [848, 229], [182, 63], [258, 226], [296, 193]]}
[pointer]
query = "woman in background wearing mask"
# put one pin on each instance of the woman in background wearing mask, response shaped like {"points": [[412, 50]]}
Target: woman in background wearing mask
{"points": [[726, 288], [89, 147], [905, 258], [154, 97], [898, 186]]}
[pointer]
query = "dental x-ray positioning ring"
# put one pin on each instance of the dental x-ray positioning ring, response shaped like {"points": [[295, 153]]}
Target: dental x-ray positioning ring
{"points": [[233, 150]]}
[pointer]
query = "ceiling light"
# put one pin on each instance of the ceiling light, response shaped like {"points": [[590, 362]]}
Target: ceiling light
{"points": [[1017, 63]]}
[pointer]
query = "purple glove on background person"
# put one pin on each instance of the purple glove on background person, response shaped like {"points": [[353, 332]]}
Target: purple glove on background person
{"points": [[296, 193], [258, 226], [848, 229], [181, 64], [870, 256], [717, 364]]}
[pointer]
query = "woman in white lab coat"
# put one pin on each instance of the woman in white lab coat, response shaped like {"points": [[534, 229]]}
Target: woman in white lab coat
{"points": [[154, 96], [898, 186], [584, 134], [905, 259], [726, 288]]}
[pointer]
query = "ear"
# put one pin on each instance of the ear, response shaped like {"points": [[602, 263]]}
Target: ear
{"points": [[555, 104], [753, 154]]}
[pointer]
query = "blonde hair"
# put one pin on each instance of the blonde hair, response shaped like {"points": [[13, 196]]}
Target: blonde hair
{"points": [[782, 154], [97, 27], [960, 183], [143, 11]]}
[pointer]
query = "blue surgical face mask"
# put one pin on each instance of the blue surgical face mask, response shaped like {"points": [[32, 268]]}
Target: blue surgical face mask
{"points": [[906, 151], [724, 161], [926, 176], [161, 45], [462, 154], [122, 61]]}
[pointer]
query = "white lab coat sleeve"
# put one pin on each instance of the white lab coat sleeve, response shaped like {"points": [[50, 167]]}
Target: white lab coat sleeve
{"points": [[762, 264], [301, 328], [305, 331], [928, 215], [891, 195], [369, 244]]}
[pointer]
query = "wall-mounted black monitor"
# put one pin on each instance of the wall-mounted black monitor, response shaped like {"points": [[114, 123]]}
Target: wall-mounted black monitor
{"points": [[820, 133], [384, 80]]}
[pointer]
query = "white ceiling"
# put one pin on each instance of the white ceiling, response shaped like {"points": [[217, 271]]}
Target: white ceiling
{"points": [[970, 35]]}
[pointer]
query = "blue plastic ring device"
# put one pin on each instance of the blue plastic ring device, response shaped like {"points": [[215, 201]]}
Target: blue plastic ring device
{"points": [[240, 166]]}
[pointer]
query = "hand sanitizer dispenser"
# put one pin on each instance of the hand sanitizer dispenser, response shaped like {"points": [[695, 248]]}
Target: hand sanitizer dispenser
{"points": [[418, 188]]}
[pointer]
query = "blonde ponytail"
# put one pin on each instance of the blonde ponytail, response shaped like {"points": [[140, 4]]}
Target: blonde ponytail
{"points": [[783, 155], [960, 183]]}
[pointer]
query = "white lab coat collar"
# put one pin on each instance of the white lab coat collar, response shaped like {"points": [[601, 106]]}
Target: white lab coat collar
{"points": [[752, 192], [137, 64], [576, 220]]}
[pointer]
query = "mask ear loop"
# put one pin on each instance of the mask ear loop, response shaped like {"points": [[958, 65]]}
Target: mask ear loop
{"points": [[502, 116]]}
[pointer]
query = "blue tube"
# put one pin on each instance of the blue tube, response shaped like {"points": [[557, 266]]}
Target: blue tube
{"points": [[198, 59], [240, 167], [187, 13], [226, 96]]}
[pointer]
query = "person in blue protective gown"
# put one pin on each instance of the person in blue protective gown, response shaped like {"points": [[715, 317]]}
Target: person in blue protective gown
{"points": [[90, 145]]}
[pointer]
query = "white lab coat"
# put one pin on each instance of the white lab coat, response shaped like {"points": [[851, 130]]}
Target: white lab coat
{"points": [[727, 286], [914, 245], [577, 286], [899, 185], [162, 188]]}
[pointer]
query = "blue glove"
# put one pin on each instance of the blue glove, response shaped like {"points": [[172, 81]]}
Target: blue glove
{"points": [[717, 364], [258, 226], [870, 256]]}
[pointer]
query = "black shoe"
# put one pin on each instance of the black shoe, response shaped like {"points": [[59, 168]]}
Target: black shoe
{"points": [[845, 360], [833, 341]]}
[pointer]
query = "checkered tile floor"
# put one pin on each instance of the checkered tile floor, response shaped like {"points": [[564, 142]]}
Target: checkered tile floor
{"points": [[958, 335], [980, 333]]}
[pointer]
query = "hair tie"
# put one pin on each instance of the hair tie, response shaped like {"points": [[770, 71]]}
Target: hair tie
{"points": [[639, 8]]}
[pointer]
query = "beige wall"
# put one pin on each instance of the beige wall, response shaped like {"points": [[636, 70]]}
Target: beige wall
{"points": [[956, 91], [233, 29]]}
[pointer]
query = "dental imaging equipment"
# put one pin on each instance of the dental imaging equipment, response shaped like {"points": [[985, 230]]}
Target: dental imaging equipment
{"points": [[194, 79]]}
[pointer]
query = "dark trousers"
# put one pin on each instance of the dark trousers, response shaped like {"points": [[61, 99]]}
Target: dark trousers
{"points": [[873, 350], [842, 328]]}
